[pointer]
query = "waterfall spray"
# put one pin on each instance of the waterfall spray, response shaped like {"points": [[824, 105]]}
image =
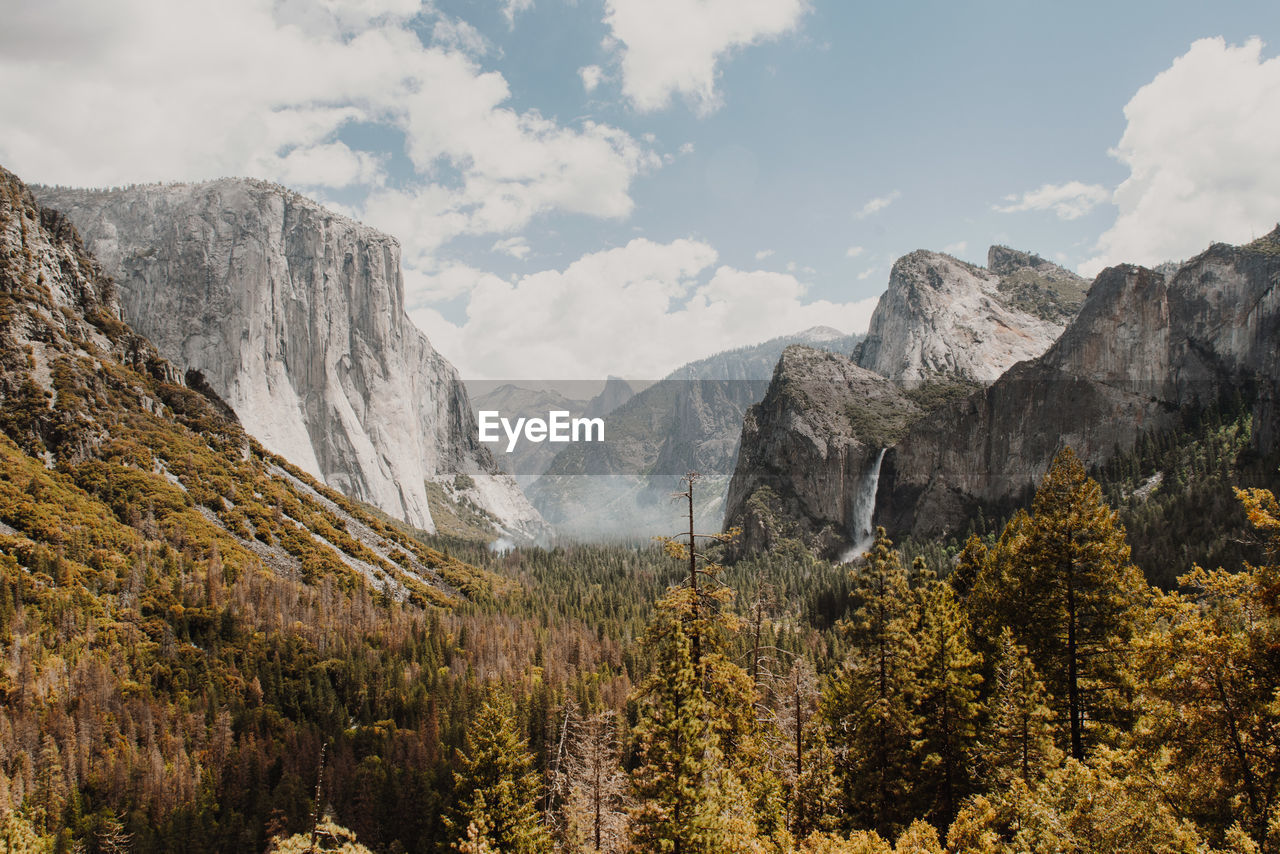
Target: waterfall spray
{"points": [[864, 508]]}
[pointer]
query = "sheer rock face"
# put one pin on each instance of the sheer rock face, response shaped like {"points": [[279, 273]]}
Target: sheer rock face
{"points": [[803, 458], [295, 316], [1142, 347], [811, 447], [943, 317]]}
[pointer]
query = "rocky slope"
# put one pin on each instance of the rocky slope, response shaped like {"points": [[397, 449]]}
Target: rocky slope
{"points": [[942, 316], [107, 458], [295, 316], [810, 450], [1143, 348]]}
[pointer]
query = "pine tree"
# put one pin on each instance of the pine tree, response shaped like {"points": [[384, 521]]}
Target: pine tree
{"points": [[1017, 741], [1211, 664], [946, 696], [701, 784], [869, 705], [802, 760], [972, 557], [1062, 579], [688, 801], [817, 795], [496, 786]]}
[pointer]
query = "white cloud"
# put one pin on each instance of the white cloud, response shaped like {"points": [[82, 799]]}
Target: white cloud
{"points": [[853, 251], [639, 310], [459, 35], [866, 274], [956, 248], [1071, 200], [450, 282], [673, 47], [1202, 145], [878, 204], [330, 164], [516, 247], [591, 76], [511, 8], [260, 88], [686, 148], [763, 254]]}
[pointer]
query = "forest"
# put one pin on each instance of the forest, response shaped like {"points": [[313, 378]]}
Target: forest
{"points": [[1030, 690]]}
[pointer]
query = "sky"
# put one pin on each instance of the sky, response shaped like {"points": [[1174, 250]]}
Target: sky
{"points": [[593, 187]]}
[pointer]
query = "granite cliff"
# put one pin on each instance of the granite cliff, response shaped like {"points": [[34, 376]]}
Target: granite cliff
{"points": [[1145, 348], [110, 460], [295, 316], [811, 452], [811, 449], [943, 316]]}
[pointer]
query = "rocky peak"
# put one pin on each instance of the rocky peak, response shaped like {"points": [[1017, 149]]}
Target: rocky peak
{"points": [[616, 392], [943, 317], [820, 335], [1003, 260], [1143, 350], [1121, 334]]}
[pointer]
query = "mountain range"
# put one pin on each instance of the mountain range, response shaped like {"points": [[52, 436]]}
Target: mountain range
{"points": [[971, 380], [292, 319]]}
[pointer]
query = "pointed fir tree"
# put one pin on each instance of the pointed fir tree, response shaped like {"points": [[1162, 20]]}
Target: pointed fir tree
{"points": [[710, 784], [972, 557], [496, 787], [873, 723], [804, 763], [688, 801], [1017, 741], [1062, 579], [946, 691], [817, 796]]}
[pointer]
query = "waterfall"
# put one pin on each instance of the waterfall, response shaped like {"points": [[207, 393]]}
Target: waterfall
{"points": [[864, 508]]}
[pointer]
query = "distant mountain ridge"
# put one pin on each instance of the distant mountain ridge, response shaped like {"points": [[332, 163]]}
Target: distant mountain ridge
{"points": [[757, 361], [529, 459], [690, 420]]}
